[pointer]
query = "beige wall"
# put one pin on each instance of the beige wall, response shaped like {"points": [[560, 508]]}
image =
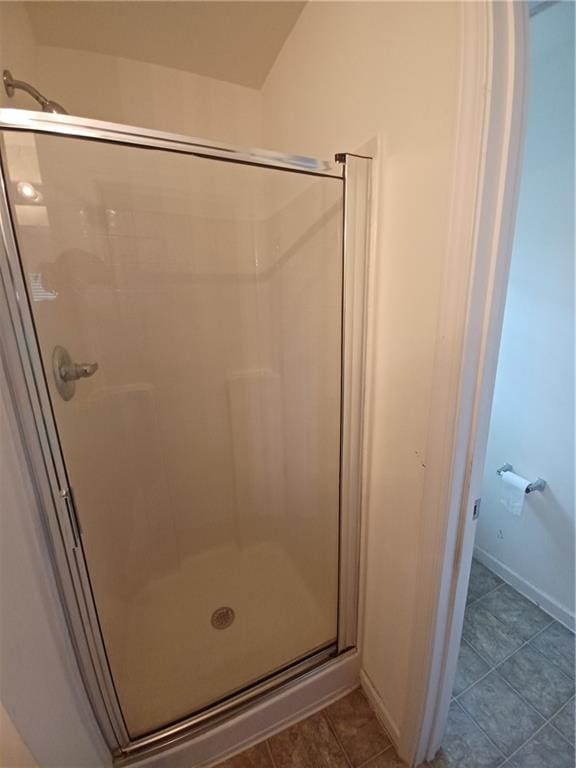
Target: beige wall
{"points": [[17, 51], [133, 92], [348, 73], [120, 90]]}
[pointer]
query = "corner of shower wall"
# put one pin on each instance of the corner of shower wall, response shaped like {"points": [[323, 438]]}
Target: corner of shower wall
{"points": [[136, 93], [149, 95]]}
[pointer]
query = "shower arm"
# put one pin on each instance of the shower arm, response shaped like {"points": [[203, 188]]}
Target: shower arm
{"points": [[11, 85]]}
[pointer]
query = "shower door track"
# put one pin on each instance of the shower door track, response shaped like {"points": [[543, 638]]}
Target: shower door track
{"points": [[29, 391], [99, 130], [235, 703]]}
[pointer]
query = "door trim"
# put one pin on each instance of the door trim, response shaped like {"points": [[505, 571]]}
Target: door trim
{"points": [[483, 246], [356, 244], [33, 408]]}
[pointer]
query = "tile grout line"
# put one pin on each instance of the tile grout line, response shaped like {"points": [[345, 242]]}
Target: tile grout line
{"points": [[481, 597], [499, 620], [551, 724], [532, 603], [509, 684], [505, 584], [493, 667], [532, 707], [536, 732], [332, 730], [270, 755], [564, 705], [524, 642], [546, 657], [348, 759], [490, 669], [556, 711], [378, 754], [510, 756], [496, 747], [485, 675], [547, 721], [523, 597]]}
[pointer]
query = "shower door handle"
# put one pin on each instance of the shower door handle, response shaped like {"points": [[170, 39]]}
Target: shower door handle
{"points": [[76, 371], [66, 372]]}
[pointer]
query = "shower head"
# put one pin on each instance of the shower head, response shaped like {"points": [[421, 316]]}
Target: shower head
{"points": [[10, 85]]}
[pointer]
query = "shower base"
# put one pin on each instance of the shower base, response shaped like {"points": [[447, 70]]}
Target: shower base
{"points": [[178, 661]]}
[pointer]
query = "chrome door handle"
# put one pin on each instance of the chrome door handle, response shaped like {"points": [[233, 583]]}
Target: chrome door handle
{"points": [[66, 372]]}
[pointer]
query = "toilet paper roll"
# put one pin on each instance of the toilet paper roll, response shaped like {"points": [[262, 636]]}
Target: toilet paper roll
{"points": [[513, 492]]}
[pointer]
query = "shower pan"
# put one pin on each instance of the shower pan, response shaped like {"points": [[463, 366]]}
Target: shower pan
{"points": [[184, 333]]}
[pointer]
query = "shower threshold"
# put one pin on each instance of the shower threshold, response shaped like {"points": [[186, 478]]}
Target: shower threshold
{"points": [[278, 681]]}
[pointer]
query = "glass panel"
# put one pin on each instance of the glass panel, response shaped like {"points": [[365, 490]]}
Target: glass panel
{"points": [[203, 451]]}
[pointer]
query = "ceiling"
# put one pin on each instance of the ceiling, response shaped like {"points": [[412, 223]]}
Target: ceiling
{"points": [[233, 41]]}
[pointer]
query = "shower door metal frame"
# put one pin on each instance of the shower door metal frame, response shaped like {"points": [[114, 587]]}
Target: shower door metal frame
{"points": [[21, 357]]}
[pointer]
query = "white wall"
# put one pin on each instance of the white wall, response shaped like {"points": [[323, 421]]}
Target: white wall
{"points": [[348, 73], [532, 424]]}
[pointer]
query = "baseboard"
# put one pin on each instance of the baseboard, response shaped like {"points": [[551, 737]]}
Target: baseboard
{"points": [[300, 700], [548, 604], [380, 709]]}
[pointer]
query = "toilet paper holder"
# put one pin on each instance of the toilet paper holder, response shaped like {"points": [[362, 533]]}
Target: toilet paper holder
{"points": [[537, 485]]}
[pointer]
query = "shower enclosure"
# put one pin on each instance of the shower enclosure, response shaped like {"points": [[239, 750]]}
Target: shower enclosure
{"points": [[184, 330]]}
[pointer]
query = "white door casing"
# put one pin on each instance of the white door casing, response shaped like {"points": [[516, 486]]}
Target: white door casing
{"points": [[488, 154]]}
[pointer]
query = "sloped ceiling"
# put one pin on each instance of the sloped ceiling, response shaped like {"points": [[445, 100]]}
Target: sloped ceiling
{"points": [[233, 41]]}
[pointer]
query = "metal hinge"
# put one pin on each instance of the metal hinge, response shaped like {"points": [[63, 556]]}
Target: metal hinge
{"points": [[68, 497], [476, 510]]}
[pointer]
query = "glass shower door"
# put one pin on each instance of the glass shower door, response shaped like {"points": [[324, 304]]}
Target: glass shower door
{"points": [[189, 312]]}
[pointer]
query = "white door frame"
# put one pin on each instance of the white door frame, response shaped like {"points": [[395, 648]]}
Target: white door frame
{"points": [[488, 150]]}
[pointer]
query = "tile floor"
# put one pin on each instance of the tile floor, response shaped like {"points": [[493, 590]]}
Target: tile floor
{"points": [[512, 707], [513, 698], [344, 735]]}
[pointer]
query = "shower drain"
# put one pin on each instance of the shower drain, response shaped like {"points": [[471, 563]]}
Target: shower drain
{"points": [[222, 617]]}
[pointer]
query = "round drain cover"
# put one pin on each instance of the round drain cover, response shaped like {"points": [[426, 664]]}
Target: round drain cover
{"points": [[223, 617]]}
